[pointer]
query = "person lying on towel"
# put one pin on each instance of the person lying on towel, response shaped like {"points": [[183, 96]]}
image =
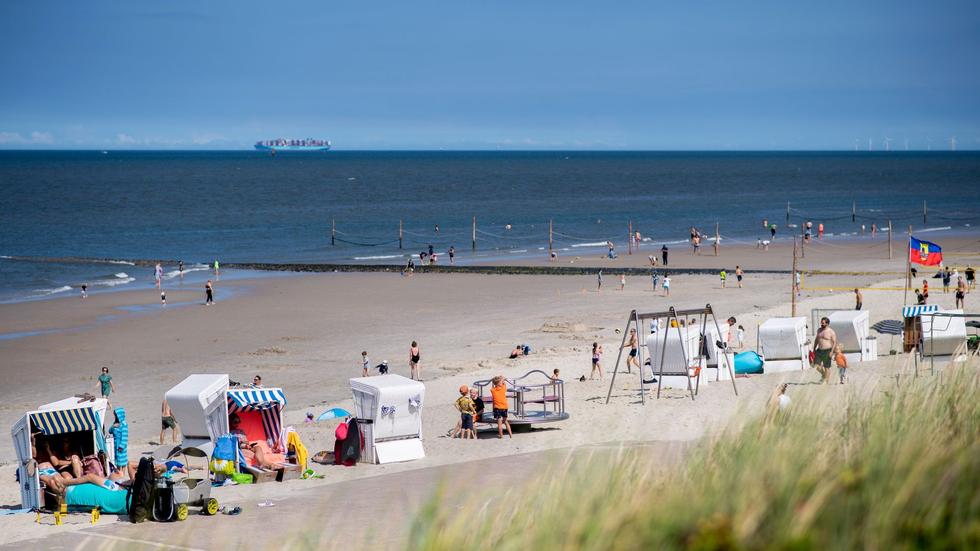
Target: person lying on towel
{"points": [[257, 453]]}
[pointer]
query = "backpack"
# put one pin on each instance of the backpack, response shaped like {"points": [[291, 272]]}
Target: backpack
{"points": [[141, 492]]}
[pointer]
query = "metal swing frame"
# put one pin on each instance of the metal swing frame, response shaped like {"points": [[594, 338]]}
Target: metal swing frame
{"points": [[636, 320]]}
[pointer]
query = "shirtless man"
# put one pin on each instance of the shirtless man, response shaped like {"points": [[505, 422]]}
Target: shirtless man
{"points": [[167, 421], [633, 345], [858, 299], [823, 348], [960, 292]]}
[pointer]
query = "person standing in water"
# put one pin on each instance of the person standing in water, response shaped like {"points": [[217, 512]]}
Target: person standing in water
{"points": [[663, 254], [216, 270], [452, 256], [414, 357], [209, 293], [180, 268], [158, 274], [84, 290]]}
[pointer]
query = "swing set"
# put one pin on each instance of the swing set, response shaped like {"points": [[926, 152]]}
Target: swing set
{"points": [[662, 323]]}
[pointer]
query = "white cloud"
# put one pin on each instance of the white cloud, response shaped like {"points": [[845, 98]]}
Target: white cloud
{"points": [[125, 139], [16, 138]]}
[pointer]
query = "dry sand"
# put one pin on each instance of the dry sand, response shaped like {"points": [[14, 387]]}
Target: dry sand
{"points": [[305, 334]]}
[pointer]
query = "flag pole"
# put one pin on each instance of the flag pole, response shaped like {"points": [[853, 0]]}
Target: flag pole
{"points": [[908, 268]]}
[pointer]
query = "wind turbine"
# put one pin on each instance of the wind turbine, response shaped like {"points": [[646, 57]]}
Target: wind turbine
{"points": [[857, 144], [952, 143], [888, 143]]}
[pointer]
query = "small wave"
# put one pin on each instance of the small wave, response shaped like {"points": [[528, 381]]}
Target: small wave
{"points": [[595, 244], [5, 256], [518, 251], [46, 292], [943, 228], [379, 257], [123, 262], [196, 268], [121, 279]]}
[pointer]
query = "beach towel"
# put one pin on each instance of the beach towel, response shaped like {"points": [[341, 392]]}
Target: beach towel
{"points": [[296, 445], [89, 496]]}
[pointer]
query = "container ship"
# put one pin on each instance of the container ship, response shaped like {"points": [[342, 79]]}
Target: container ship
{"points": [[283, 144]]}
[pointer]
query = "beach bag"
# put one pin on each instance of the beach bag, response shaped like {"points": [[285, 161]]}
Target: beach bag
{"points": [[347, 450], [92, 465], [141, 492], [225, 452]]}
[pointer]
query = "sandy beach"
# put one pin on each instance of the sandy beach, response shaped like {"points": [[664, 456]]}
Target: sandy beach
{"points": [[305, 334]]}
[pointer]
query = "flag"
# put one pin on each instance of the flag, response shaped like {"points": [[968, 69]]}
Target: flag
{"points": [[925, 252]]}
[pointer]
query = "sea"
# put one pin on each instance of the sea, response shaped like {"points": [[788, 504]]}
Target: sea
{"points": [[88, 217]]}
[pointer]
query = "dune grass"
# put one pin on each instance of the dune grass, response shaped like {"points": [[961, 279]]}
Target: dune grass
{"points": [[894, 468]]}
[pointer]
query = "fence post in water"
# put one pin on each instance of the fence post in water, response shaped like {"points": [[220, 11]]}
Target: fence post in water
{"points": [[551, 238], [474, 234], [889, 240], [717, 238], [333, 232], [787, 212], [400, 235], [925, 212], [853, 211], [629, 238]]}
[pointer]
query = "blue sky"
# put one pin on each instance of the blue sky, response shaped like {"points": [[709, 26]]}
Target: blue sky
{"points": [[492, 74]]}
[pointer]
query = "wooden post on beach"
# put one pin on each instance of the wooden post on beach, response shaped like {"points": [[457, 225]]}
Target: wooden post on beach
{"points": [[853, 211], [400, 235], [333, 232], [551, 238], [908, 268], [793, 291], [802, 241], [717, 238], [889, 240], [474, 234], [629, 238], [925, 213]]}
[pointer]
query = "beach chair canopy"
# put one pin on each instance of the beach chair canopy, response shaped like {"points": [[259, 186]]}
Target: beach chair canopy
{"points": [[918, 310], [889, 327], [66, 420], [268, 402]]}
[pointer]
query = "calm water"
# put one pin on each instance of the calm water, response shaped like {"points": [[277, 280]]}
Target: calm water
{"points": [[248, 206]]}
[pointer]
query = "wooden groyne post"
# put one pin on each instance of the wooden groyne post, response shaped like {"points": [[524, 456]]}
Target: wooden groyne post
{"points": [[333, 232], [474, 234], [400, 235]]}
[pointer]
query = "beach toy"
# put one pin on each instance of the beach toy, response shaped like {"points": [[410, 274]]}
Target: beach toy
{"points": [[334, 413], [747, 363]]}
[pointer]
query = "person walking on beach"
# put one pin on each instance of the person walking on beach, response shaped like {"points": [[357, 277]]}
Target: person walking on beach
{"points": [[633, 345], [960, 293], [414, 357], [666, 285], [858, 299], [365, 363], [820, 230], [599, 280], [971, 277], [925, 290], [596, 358], [654, 277], [947, 277], [738, 275], [772, 232], [622, 282], [740, 337], [824, 345], [452, 255], [500, 406], [105, 383], [696, 243], [167, 421], [841, 360], [208, 293], [663, 254], [724, 276]]}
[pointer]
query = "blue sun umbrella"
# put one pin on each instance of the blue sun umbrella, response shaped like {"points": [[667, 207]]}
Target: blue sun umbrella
{"points": [[334, 413]]}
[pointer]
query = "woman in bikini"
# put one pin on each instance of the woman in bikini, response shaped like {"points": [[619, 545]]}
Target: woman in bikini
{"points": [[414, 356]]}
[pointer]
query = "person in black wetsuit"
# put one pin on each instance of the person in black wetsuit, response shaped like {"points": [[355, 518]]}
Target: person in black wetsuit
{"points": [[663, 254]]}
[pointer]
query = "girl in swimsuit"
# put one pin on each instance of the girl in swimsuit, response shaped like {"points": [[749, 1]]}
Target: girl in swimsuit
{"points": [[413, 360]]}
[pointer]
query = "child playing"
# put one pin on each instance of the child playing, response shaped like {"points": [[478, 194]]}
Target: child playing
{"points": [[596, 358], [500, 406], [466, 410], [841, 361], [666, 285], [724, 276], [365, 363], [740, 337]]}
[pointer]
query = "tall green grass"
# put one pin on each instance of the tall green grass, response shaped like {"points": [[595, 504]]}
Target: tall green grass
{"points": [[899, 469]]}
